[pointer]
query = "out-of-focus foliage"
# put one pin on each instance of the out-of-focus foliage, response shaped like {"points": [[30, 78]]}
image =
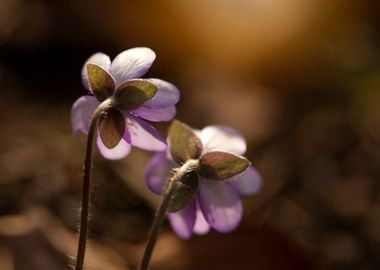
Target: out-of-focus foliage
{"points": [[300, 79]]}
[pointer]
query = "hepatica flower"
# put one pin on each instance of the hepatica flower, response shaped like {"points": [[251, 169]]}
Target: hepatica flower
{"points": [[127, 101], [208, 196]]}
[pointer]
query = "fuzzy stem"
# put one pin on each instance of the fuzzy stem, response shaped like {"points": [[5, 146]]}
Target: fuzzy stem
{"points": [[86, 194], [162, 211]]}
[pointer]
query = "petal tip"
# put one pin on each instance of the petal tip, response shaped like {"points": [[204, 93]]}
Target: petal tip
{"points": [[120, 151]]}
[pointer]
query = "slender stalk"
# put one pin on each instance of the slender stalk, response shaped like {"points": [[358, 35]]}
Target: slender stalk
{"points": [[162, 211], [155, 230], [86, 194]]}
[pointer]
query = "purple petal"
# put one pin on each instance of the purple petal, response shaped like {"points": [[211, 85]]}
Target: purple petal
{"points": [[118, 152], [156, 115], [220, 205], [222, 138], [100, 59], [157, 171], [131, 64], [201, 226], [143, 135], [81, 113], [183, 221], [246, 183], [167, 95]]}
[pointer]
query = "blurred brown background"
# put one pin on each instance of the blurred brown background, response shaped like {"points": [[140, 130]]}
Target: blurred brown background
{"points": [[300, 79]]}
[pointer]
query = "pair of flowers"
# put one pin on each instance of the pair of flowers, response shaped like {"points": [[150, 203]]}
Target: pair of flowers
{"points": [[220, 175]]}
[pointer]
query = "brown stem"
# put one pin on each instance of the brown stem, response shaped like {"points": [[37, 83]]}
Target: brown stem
{"points": [[86, 194], [162, 211]]}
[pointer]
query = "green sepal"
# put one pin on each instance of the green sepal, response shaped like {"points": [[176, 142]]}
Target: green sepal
{"points": [[183, 142], [111, 127], [101, 82], [185, 190], [133, 93], [219, 165]]}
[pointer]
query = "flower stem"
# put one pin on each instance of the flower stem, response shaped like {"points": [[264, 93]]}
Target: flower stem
{"points": [[86, 188], [162, 211]]}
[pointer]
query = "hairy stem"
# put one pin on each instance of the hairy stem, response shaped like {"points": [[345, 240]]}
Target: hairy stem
{"points": [[86, 194], [162, 211]]}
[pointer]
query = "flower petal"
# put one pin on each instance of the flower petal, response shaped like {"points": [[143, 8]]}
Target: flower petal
{"points": [[247, 183], [81, 113], [220, 205], [142, 135], [201, 226], [167, 95], [120, 151], [131, 64], [183, 221], [222, 138], [157, 171], [156, 115], [100, 59]]}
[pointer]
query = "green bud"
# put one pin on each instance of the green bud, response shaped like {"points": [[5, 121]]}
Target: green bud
{"points": [[101, 82], [132, 94], [218, 165], [111, 127], [185, 190], [184, 143]]}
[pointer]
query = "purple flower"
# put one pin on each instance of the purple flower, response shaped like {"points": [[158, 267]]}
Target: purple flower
{"points": [[128, 100], [217, 203]]}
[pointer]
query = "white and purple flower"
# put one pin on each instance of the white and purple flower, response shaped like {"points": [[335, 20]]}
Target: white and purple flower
{"points": [[129, 101], [216, 203]]}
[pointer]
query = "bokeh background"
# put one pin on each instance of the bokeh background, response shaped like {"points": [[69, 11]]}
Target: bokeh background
{"points": [[300, 80]]}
